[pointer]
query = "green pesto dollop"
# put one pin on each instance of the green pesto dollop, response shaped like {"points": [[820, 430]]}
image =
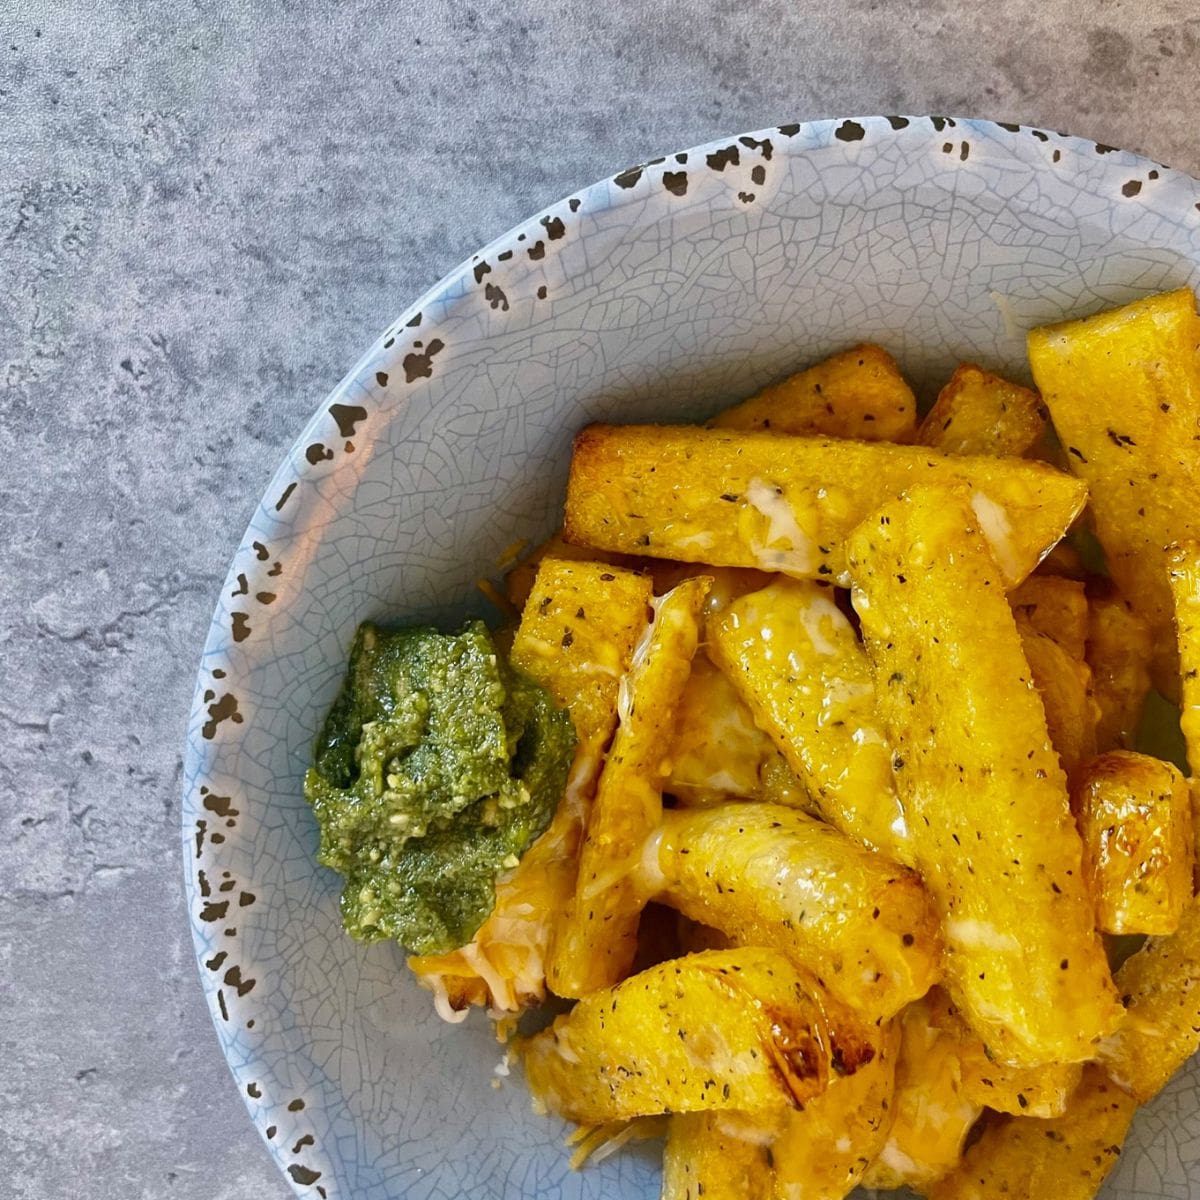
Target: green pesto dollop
{"points": [[438, 765]]}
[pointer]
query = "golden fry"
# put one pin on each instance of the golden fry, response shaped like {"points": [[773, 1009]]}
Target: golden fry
{"points": [[796, 659], [728, 583], [1064, 684], [596, 938], [823, 1152], [781, 785], [931, 1111], [984, 795], [724, 1029], [519, 579], [1041, 1091], [1134, 814], [1184, 578], [1123, 388], [1055, 607], [981, 413], [1066, 1158], [1160, 987], [769, 876], [1118, 653], [718, 1156], [817, 1153], [718, 752], [576, 636], [1064, 562], [858, 393], [786, 504]]}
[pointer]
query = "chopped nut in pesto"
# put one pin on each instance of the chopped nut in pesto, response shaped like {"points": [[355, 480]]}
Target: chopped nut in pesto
{"points": [[437, 766]]}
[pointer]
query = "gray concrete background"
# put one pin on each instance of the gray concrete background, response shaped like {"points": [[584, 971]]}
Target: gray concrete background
{"points": [[206, 210]]}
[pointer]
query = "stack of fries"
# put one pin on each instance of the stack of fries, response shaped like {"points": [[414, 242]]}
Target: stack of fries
{"points": [[859, 725]]}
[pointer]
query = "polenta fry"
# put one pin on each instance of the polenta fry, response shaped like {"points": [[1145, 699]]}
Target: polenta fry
{"points": [[1160, 988], [718, 1156], [1123, 388], [1134, 814], [1118, 653], [786, 504], [1184, 580], [769, 876], [738, 1030], [931, 1111], [985, 798], [1055, 607], [823, 1152], [596, 938], [858, 393], [1041, 1091], [1064, 684], [1066, 1158], [978, 412], [797, 661]]}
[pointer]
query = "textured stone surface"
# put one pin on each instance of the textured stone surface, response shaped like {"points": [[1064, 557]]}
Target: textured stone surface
{"points": [[206, 212]]}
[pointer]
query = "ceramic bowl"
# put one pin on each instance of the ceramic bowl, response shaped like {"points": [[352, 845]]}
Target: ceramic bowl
{"points": [[662, 293]]}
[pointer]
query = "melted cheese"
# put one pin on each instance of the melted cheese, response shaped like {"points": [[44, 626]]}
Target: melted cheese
{"points": [[812, 615], [973, 934], [996, 527], [787, 549], [695, 541]]}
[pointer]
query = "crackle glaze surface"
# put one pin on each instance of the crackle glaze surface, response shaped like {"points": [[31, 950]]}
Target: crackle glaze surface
{"points": [[661, 293]]}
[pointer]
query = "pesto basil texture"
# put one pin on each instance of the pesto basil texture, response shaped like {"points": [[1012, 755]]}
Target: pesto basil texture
{"points": [[438, 765]]}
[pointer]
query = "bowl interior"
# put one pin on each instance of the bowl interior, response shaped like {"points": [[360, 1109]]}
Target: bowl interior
{"points": [[659, 295]]}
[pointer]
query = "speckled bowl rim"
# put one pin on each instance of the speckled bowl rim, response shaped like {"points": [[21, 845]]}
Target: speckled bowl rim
{"points": [[285, 505]]}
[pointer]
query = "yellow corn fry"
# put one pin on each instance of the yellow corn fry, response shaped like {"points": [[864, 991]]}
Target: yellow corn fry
{"points": [[781, 785], [1184, 576], [718, 752], [1123, 388], [1160, 988], [796, 659], [576, 638], [1065, 562], [1134, 814], [981, 413], [724, 1029], [1066, 1158], [576, 635], [822, 1152], [858, 393], [596, 939], [770, 876], [519, 579], [1118, 653], [931, 1111], [1041, 1091], [786, 504], [727, 582], [985, 798], [718, 1156], [1055, 607], [1064, 684], [1184, 579], [1023, 1091]]}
